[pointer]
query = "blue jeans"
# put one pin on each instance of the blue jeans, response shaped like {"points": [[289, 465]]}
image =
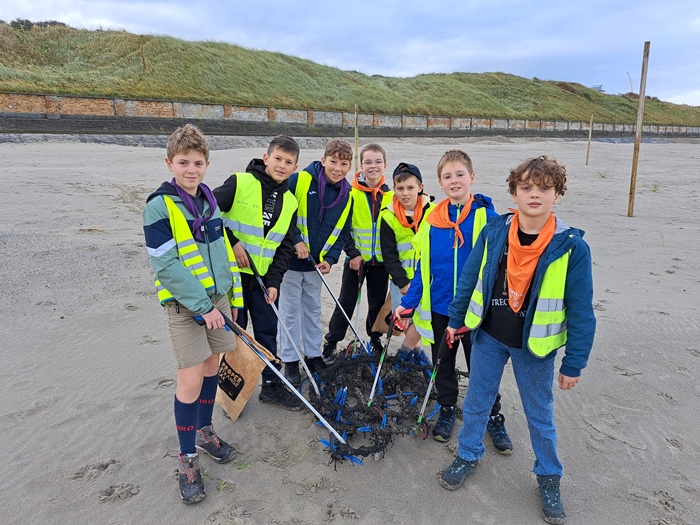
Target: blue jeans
{"points": [[534, 377]]}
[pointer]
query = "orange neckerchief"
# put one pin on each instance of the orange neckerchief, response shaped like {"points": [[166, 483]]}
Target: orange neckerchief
{"points": [[400, 213], [440, 218], [522, 260], [356, 184]]}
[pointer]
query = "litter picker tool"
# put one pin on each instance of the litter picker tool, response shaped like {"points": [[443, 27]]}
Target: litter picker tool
{"points": [[236, 330], [405, 314], [286, 332], [446, 343], [337, 302]]}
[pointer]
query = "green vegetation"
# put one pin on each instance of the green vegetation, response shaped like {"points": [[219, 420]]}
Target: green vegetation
{"points": [[48, 57]]}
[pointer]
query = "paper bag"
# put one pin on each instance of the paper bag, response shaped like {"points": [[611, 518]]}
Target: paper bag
{"points": [[380, 323], [239, 374]]}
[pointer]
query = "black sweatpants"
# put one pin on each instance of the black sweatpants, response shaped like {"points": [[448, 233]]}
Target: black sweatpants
{"points": [[263, 317], [446, 378], [376, 284]]}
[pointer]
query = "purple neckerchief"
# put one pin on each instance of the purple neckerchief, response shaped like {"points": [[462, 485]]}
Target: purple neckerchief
{"points": [[322, 181], [188, 201]]}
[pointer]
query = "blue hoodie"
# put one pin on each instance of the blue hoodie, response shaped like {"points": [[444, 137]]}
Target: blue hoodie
{"points": [[578, 291], [319, 231], [443, 273]]}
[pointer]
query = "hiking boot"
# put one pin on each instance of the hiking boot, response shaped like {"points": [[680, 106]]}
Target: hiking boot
{"points": [[552, 507], [316, 364], [291, 372], [190, 479], [376, 346], [207, 441], [276, 392], [329, 348], [497, 430], [445, 423], [453, 476]]}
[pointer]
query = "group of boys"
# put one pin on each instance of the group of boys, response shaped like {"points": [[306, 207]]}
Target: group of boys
{"points": [[259, 245]]}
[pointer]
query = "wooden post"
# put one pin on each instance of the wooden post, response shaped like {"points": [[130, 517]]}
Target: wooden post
{"points": [[638, 134], [590, 134], [357, 138]]}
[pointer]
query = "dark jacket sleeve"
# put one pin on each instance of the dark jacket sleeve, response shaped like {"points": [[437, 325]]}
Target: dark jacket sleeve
{"points": [[580, 318], [280, 262], [225, 195], [390, 254], [350, 249], [334, 253]]}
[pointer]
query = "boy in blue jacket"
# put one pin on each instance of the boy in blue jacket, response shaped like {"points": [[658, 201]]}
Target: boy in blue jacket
{"points": [[525, 291], [444, 241], [323, 224]]}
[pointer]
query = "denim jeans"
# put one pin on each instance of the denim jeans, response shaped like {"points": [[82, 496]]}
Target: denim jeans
{"points": [[300, 311], [534, 377]]}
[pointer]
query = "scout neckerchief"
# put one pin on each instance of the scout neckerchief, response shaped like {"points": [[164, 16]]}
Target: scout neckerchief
{"points": [[522, 260], [188, 201], [400, 213], [440, 218]]}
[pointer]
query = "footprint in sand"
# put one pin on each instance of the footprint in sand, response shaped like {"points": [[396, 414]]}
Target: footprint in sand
{"points": [[674, 443], [131, 307], [93, 471], [165, 383], [148, 340], [117, 492]]}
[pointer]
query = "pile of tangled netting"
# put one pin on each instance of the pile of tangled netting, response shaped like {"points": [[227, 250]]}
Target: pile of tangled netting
{"points": [[370, 428]]}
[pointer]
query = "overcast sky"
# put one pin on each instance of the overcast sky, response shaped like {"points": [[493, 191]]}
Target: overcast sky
{"points": [[598, 42]]}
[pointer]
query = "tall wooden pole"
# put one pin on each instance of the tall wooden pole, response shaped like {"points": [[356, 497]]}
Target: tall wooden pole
{"points": [[590, 134], [357, 138], [638, 134]]}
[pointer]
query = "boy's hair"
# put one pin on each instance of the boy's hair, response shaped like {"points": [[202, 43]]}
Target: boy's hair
{"points": [[185, 139], [540, 171], [454, 155], [372, 146], [339, 149], [284, 143]]}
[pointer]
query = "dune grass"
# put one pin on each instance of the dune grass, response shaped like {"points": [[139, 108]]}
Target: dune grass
{"points": [[63, 60]]}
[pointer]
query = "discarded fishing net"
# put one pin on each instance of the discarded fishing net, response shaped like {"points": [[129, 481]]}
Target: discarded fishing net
{"points": [[345, 388]]}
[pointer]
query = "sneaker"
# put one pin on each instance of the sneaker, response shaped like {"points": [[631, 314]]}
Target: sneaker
{"points": [[376, 345], [291, 372], [445, 423], [497, 430], [552, 507], [207, 441], [276, 392], [329, 348], [453, 476], [190, 479], [316, 364]]}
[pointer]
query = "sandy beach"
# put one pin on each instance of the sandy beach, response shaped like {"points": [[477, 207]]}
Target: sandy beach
{"points": [[87, 381]]}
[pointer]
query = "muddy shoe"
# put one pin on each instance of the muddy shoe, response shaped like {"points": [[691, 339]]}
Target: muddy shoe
{"points": [[190, 479], [453, 476], [445, 424], [329, 348], [276, 392], [496, 427], [316, 364], [291, 372], [207, 441]]}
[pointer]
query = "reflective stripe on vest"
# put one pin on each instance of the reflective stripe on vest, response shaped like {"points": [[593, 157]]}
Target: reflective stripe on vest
{"points": [[191, 258], [245, 220], [422, 316], [404, 241], [364, 229], [548, 331], [301, 193]]}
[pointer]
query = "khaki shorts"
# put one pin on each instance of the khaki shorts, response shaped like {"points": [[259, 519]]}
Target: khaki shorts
{"points": [[191, 343]]}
